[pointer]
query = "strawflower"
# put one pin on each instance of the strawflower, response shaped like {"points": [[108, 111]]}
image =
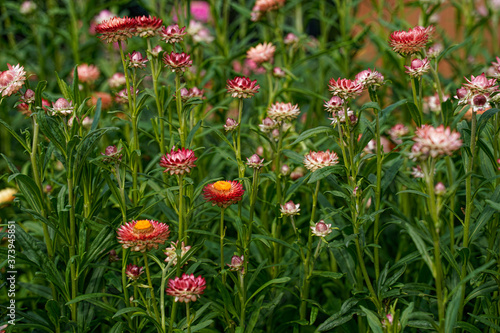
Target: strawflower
{"points": [[345, 88], [290, 209], [186, 288], [231, 124], [177, 62], [178, 161], [133, 271], [223, 193], [62, 107], [143, 235], [397, 132], [255, 162], [148, 26], [173, 34], [369, 78], [112, 154], [334, 104], [12, 80], [481, 85], [237, 264], [268, 125], [135, 60], [7, 195], [88, 73], [434, 142], [411, 41], [263, 52], [242, 87], [171, 252], [316, 160], [117, 29], [321, 229], [283, 111], [418, 67]]}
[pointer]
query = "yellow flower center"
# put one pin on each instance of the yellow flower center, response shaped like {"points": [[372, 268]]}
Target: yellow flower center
{"points": [[222, 185], [142, 225]]}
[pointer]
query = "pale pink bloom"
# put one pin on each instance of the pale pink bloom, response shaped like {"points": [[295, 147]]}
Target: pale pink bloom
{"points": [[263, 52], [291, 39], [268, 125], [178, 62], [112, 154], [321, 229], [345, 88], [369, 78], [179, 161], [155, 52], [171, 252], [435, 50], [440, 189], [117, 80], [260, 151], [278, 72], [463, 95], [283, 111], [237, 264], [231, 124], [255, 162], [242, 87], [397, 132], [122, 96], [290, 209], [117, 29], [99, 18], [340, 116], [254, 67], [411, 41], [173, 34], [371, 147], [148, 26], [133, 271], [285, 170], [27, 7], [62, 107], [143, 235], [334, 104], [418, 67], [187, 94], [88, 73], [417, 172], [434, 142], [297, 173], [135, 60], [316, 160], [12, 80], [481, 85], [200, 10], [263, 6], [186, 288], [199, 33], [433, 104]]}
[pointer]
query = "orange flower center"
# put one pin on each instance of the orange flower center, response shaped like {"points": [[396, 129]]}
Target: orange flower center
{"points": [[222, 185], [143, 226]]}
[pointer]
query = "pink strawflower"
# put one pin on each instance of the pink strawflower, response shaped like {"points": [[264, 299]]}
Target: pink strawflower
{"points": [[290, 209], [171, 252], [334, 104], [371, 147], [148, 26], [397, 132], [186, 288], [434, 142], [340, 116], [242, 87], [291, 39], [199, 32], [194, 92], [316, 160], [122, 96], [417, 172], [283, 111], [432, 103], [297, 173], [481, 85], [435, 50], [112, 154], [173, 34], [28, 97], [263, 52], [231, 124], [178, 62], [321, 229], [117, 80], [418, 67], [253, 67], [223, 193], [143, 235], [268, 125], [285, 170], [133, 271], [135, 60], [369, 78], [261, 7], [117, 29], [27, 7], [345, 88], [255, 162], [440, 189], [178, 162], [278, 72], [411, 41], [237, 264], [87, 73], [62, 107], [200, 10], [12, 80]]}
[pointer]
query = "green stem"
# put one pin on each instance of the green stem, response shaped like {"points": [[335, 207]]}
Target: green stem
{"points": [[221, 229], [172, 317], [188, 318], [241, 275], [182, 230], [151, 289], [415, 99], [74, 31], [241, 167], [178, 102], [72, 248], [378, 194]]}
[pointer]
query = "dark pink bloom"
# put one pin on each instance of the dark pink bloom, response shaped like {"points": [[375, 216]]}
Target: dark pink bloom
{"points": [[223, 193], [186, 288], [345, 88], [172, 34], [242, 87], [411, 41], [143, 235], [179, 161], [117, 29], [178, 62], [133, 271], [148, 26]]}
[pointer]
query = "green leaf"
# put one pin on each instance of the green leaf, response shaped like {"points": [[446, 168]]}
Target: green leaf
{"points": [[329, 275], [53, 311], [314, 315], [50, 127], [267, 284], [420, 244], [340, 317], [370, 105], [93, 295], [325, 172], [40, 87], [373, 320], [468, 327], [14, 134], [415, 114], [484, 118], [312, 132], [65, 89]]}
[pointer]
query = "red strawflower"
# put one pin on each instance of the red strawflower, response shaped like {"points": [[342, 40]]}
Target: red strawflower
{"points": [[411, 41], [133, 271], [172, 34], [143, 235], [242, 87], [178, 62], [148, 26], [223, 193], [117, 29], [179, 162], [186, 288]]}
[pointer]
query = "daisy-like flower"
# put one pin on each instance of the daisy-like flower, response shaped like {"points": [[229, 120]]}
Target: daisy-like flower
{"points": [[112, 154], [230, 125], [321, 229], [411, 41], [178, 162], [173, 34], [178, 62], [431, 103], [291, 40], [263, 52], [316, 160], [223, 193], [397, 132], [117, 80], [255, 162], [171, 252], [481, 85], [133, 271], [27, 7], [369, 78], [117, 29], [268, 125], [199, 32], [340, 116], [62, 107], [237, 264], [334, 104], [143, 235], [345, 88], [435, 50], [194, 92], [283, 111], [290, 209], [7, 195], [418, 67], [12, 80], [88, 73], [242, 87], [148, 26], [186, 288], [135, 60], [263, 6], [434, 142]]}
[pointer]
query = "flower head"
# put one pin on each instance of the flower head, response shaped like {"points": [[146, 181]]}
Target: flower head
{"points": [[178, 162], [435, 50], [186, 288], [263, 52], [290, 209], [263, 6], [283, 111], [434, 142], [345, 88], [418, 67], [133, 271], [171, 252], [237, 264], [339, 116], [122, 96], [155, 52], [291, 39], [297, 173], [28, 97], [117, 80], [7, 195], [62, 107], [316, 160], [143, 235], [178, 62], [481, 85], [27, 7], [242, 87], [432, 103], [334, 104], [278, 72], [255, 162], [199, 32], [223, 193], [194, 92], [231, 124], [411, 41], [112, 154], [321, 229], [88, 73], [12, 80], [417, 172], [440, 189], [397, 132], [117, 29], [148, 26], [173, 34], [268, 125], [135, 60], [369, 78]]}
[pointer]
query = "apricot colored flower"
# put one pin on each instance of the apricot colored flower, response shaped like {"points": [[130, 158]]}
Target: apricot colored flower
{"points": [[263, 52], [117, 29], [223, 193], [242, 87], [179, 161], [316, 160], [88, 73], [411, 41], [143, 235], [186, 288], [7, 195]]}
